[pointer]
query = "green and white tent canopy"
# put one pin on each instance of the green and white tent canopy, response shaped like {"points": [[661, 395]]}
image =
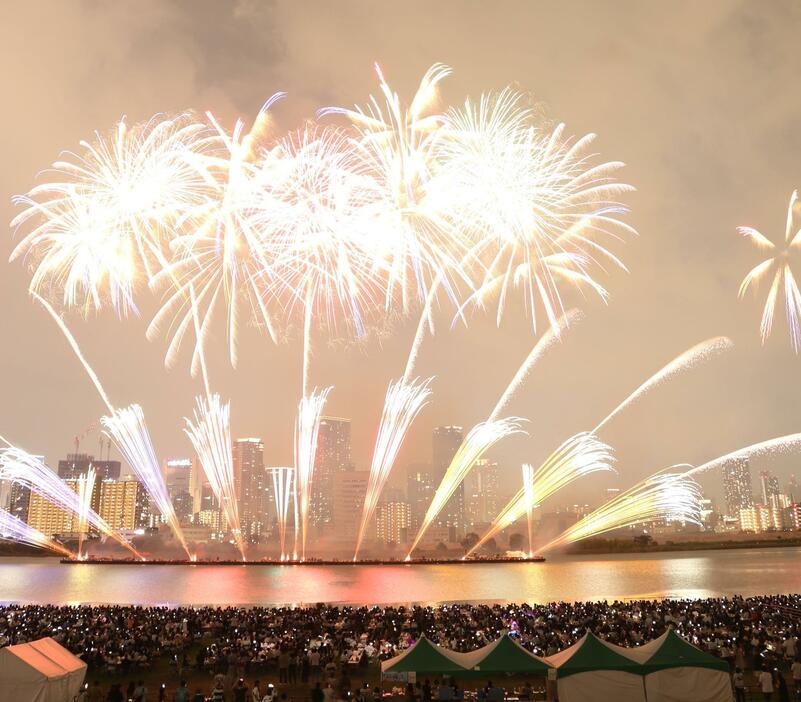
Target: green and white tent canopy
{"points": [[425, 658], [505, 655], [672, 651], [589, 654]]}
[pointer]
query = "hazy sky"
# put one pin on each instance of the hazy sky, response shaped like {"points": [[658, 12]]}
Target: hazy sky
{"points": [[701, 100]]}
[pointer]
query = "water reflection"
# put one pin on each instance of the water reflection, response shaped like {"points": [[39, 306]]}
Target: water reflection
{"points": [[692, 574]]}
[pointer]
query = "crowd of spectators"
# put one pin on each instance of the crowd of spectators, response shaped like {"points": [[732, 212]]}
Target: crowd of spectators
{"points": [[324, 643]]}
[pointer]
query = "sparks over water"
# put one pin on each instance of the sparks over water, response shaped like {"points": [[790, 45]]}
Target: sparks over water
{"points": [[14, 529], [402, 404], [577, 457], [128, 430], [86, 487], [283, 489], [210, 434], [307, 425], [664, 496]]}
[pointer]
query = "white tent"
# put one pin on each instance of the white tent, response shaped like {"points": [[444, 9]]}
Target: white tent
{"points": [[593, 669], [40, 671], [677, 671]]}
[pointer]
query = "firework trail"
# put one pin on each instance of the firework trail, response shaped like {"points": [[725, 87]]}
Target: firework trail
{"points": [[23, 468], [700, 353], [577, 457], [782, 444], [544, 343], [283, 482], [778, 265], [218, 252], [668, 496], [14, 529], [86, 487], [402, 404], [481, 438], [307, 425], [397, 146], [210, 434], [74, 345], [529, 497], [127, 428], [533, 197], [106, 215]]}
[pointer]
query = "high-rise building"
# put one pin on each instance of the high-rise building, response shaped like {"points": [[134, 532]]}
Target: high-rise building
{"points": [[737, 486], [769, 485], [419, 491], [178, 479], [332, 458], [122, 504], [349, 490], [445, 443], [481, 498], [77, 464], [254, 489], [50, 519], [19, 500], [791, 489], [392, 522]]}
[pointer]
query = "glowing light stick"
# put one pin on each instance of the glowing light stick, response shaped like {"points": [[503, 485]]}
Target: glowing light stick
{"points": [[307, 426], [210, 434], [402, 404], [577, 457], [128, 430], [671, 497]]}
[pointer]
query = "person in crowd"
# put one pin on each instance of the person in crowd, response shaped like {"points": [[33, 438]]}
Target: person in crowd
{"points": [[765, 680], [182, 692], [240, 691], [738, 680], [218, 692]]}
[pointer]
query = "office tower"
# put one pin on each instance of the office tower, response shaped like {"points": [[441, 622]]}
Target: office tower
{"points": [[769, 485], [481, 493], [332, 459], [737, 486], [122, 504], [19, 499], [445, 444], [253, 488], [77, 464], [392, 522], [178, 480], [419, 491], [349, 490]]}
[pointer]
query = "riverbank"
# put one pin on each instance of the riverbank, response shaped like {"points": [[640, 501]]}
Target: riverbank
{"points": [[625, 546]]}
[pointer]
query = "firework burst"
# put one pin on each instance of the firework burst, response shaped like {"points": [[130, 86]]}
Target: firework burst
{"points": [[778, 268], [283, 490]]}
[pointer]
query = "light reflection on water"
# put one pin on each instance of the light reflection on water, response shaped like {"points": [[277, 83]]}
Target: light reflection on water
{"points": [[569, 578]]}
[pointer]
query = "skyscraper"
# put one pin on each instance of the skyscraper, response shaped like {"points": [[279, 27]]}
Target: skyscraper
{"points": [[737, 486], [392, 522], [481, 493], [178, 479], [333, 458], [419, 491], [770, 487], [77, 464], [445, 444], [348, 494], [253, 488]]}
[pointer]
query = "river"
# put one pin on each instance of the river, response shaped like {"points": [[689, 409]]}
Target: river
{"points": [[651, 575]]}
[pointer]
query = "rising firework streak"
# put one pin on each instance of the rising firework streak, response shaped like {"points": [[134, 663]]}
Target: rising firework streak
{"points": [[671, 497], [307, 425], [781, 444], [283, 489], [210, 434], [86, 487], [127, 429], [402, 404], [481, 438]]}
